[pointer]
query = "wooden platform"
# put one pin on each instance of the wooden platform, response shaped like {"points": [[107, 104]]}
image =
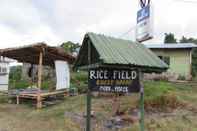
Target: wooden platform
{"points": [[37, 95]]}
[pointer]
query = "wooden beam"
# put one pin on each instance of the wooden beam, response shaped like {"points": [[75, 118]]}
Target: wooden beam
{"points": [[17, 100], [39, 101], [40, 70], [190, 64]]}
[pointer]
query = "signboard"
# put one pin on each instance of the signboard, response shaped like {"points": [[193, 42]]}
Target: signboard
{"points": [[144, 29], [114, 80]]}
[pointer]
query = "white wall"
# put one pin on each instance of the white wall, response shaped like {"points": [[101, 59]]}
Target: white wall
{"points": [[62, 75], [4, 76]]}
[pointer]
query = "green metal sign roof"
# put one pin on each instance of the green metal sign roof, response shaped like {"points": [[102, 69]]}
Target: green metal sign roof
{"points": [[113, 51]]}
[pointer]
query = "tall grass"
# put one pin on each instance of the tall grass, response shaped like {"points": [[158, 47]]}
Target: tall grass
{"points": [[161, 95]]}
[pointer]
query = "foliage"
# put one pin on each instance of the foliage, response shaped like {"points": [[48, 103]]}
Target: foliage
{"points": [[15, 72], [18, 84], [3, 98], [47, 84], [181, 77], [152, 91], [71, 47], [79, 81], [161, 96], [15, 79], [170, 38]]}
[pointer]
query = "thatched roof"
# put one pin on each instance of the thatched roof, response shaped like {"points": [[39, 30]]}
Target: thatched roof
{"points": [[30, 54]]}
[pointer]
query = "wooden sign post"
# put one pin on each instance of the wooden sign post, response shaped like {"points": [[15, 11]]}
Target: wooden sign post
{"points": [[88, 108], [141, 101], [114, 80]]}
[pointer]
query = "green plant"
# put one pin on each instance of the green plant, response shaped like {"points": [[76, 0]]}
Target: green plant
{"points": [[79, 80], [181, 77], [48, 85], [153, 90], [19, 84], [160, 95]]}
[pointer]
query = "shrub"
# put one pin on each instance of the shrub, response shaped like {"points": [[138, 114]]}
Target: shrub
{"points": [[3, 99], [181, 77], [81, 76], [49, 85], [79, 80], [160, 95], [165, 101], [20, 84], [153, 89]]}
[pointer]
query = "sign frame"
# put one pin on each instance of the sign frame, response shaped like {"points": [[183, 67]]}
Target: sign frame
{"points": [[144, 27], [114, 80]]}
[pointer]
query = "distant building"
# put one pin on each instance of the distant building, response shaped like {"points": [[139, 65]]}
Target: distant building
{"points": [[4, 75], [177, 56]]}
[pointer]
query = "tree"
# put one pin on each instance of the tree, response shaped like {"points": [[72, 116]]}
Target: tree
{"points": [[183, 40], [71, 47], [170, 38]]}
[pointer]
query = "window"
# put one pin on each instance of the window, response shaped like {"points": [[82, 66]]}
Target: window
{"points": [[3, 70], [165, 59]]}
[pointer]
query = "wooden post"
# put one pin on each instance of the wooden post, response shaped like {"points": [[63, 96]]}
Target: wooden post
{"points": [[88, 108], [190, 62], [17, 100], [141, 101], [39, 101], [40, 70]]}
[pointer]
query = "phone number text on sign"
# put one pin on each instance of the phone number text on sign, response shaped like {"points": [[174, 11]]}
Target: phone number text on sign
{"points": [[114, 80]]}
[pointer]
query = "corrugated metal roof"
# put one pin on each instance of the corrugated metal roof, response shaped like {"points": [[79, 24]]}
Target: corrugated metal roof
{"points": [[171, 45], [120, 52]]}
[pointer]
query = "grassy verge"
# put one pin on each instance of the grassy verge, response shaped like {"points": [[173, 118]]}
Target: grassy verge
{"points": [[158, 97]]}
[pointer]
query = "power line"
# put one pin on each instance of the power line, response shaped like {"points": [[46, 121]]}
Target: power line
{"points": [[186, 1]]}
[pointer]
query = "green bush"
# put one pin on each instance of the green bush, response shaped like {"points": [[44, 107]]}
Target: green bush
{"points": [[3, 98], [79, 80], [160, 95], [181, 77], [165, 101], [22, 84], [48, 85], [154, 89], [81, 76], [19, 84]]}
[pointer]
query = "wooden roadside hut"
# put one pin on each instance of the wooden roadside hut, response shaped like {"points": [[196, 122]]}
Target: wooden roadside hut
{"points": [[106, 53], [40, 54]]}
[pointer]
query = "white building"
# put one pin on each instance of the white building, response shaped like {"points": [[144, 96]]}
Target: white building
{"points": [[4, 75]]}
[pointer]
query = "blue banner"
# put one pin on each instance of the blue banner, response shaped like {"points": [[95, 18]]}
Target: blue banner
{"points": [[143, 13]]}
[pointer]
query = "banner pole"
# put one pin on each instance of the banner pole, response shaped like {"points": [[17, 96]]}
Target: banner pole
{"points": [[141, 101], [88, 111]]}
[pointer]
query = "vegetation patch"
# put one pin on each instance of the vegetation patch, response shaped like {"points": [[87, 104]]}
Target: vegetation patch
{"points": [[79, 81], [161, 97]]}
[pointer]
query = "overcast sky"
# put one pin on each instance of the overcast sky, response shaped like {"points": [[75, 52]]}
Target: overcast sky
{"points": [[54, 21]]}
